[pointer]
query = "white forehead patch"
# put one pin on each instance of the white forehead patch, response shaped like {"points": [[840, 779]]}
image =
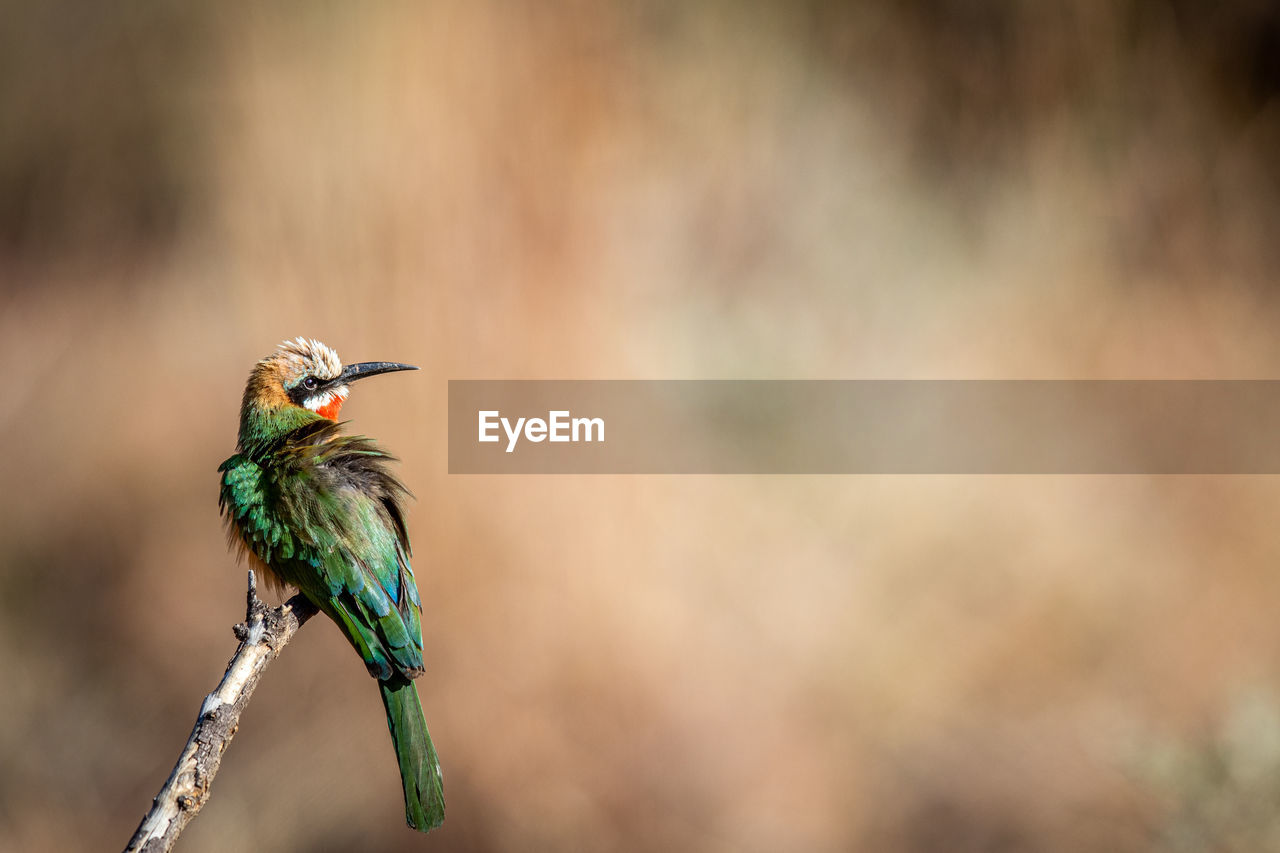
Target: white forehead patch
{"points": [[312, 357]]}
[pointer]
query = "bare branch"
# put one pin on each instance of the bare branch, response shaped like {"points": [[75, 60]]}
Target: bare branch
{"points": [[263, 634]]}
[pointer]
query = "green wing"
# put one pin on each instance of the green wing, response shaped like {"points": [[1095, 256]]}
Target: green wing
{"points": [[323, 512]]}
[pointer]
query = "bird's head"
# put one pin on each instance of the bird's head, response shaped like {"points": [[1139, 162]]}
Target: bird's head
{"points": [[302, 375]]}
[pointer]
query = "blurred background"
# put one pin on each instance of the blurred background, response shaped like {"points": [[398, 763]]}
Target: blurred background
{"points": [[933, 188]]}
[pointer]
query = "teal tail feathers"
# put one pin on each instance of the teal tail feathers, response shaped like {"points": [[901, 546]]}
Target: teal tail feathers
{"points": [[419, 765]]}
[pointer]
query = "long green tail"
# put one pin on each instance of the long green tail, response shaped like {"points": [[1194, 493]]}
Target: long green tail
{"points": [[419, 765]]}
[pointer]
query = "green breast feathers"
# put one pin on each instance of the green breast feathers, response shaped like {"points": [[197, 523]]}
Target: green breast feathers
{"points": [[321, 510]]}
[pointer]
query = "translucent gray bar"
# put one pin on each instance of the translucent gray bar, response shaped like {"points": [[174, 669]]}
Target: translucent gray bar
{"points": [[867, 427]]}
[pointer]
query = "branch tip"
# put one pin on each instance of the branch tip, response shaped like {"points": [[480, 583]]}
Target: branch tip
{"points": [[262, 635]]}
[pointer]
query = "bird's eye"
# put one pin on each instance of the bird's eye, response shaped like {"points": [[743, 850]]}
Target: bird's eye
{"points": [[310, 383]]}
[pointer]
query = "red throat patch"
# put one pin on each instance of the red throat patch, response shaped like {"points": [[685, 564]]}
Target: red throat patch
{"points": [[330, 410]]}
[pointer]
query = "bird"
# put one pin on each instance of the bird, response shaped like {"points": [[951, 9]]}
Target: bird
{"points": [[315, 508]]}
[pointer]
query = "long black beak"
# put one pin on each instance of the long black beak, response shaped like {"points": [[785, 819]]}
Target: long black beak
{"points": [[365, 369]]}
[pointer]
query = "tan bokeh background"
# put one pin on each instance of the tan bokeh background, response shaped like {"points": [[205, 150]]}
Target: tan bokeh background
{"points": [[668, 190]]}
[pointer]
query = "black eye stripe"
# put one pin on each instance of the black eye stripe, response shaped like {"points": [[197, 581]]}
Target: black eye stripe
{"points": [[307, 388]]}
